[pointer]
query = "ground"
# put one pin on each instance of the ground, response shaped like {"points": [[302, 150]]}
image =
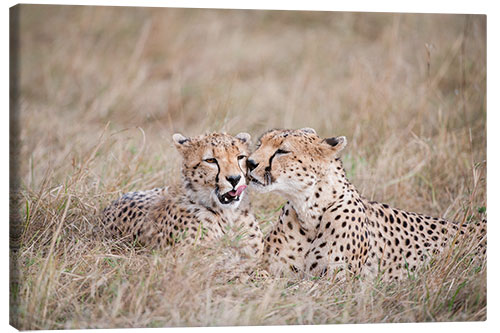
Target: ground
{"points": [[102, 90]]}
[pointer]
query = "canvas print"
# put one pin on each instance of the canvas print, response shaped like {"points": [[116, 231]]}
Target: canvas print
{"points": [[205, 167]]}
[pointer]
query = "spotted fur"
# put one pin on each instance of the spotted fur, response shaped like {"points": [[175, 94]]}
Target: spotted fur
{"points": [[202, 208], [327, 227]]}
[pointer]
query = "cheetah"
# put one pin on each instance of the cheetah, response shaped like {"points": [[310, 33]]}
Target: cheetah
{"points": [[208, 202], [327, 227]]}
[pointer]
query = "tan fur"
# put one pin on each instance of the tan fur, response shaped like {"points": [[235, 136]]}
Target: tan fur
{"points": [[327, 227], [191, 212]]}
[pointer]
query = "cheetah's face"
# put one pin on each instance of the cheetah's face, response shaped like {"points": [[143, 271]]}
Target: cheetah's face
{"points": [[287, 161], [214, 167]]}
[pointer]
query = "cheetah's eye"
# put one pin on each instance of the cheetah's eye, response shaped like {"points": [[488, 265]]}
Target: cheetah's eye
{"points": [[281, 151], [210, 160], [241, 157]]}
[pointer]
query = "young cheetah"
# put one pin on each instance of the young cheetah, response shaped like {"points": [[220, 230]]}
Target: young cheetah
{"points": [[210, 201], [327, 227]]}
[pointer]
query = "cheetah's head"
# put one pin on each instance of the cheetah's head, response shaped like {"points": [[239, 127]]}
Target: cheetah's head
{"points": [[214, 167], [288, 161]]}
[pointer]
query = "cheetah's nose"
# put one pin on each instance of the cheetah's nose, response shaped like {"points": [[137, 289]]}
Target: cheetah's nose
{"points": [[251, 164], [233, 180]]}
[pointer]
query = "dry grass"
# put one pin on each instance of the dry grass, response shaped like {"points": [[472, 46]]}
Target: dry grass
{"points": [[103, 89]]}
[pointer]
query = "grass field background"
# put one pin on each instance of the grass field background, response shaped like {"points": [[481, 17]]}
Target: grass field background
{"points": [[102, 90]]}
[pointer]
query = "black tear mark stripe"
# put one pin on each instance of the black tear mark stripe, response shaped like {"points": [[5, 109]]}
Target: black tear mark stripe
{"points": [[239, 166], [267, 176], [218, 172], [268, 168]]}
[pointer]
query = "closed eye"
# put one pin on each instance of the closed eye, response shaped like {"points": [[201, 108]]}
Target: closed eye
{"points": [[281, 151], [276, 153]]}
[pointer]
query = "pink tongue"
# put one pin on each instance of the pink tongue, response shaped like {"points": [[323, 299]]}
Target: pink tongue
{"points": [[238, 191]]}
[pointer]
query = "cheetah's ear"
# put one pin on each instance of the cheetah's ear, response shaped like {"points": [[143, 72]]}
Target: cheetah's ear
{"points": [[337, 143], [243, 137], [308, 130], [180, 140]]}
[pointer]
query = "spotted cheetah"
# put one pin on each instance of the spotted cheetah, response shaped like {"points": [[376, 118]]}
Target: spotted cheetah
{"points": [[327, 227], [209, 201]]}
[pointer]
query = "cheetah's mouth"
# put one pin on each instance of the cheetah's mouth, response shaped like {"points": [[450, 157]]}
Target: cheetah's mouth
{"points": [[231, 196]]}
